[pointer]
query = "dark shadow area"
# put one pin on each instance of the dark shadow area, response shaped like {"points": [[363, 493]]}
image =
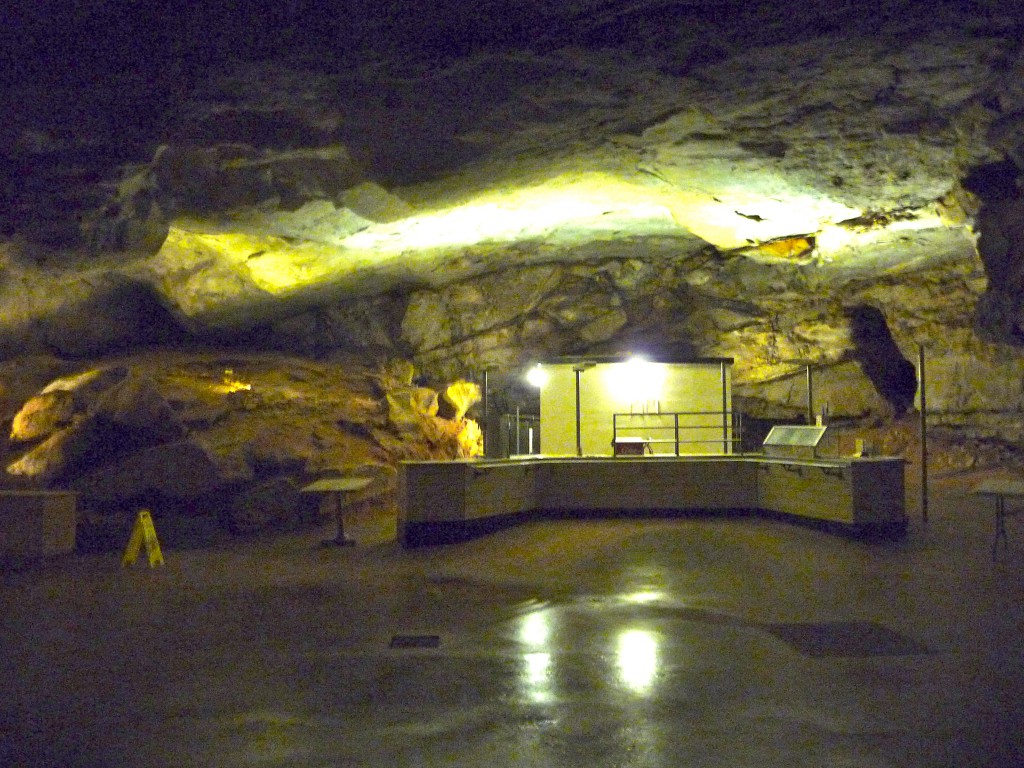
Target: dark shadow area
{"points": [[182, 523], [457, 531], [1000, 226], [851, 639], [995, 185], [871, 534], [893, 376], [105, 531], [992, 181], [415, 535]]}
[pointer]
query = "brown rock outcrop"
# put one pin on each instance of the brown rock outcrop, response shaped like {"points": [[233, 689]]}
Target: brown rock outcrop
{"points": [[235, 436]]}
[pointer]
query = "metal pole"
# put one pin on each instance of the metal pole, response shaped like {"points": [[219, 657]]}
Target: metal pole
{"points": [[518, 449], [810, 397], [579, 436], [486, 414], [924, 433], [725, 411]]}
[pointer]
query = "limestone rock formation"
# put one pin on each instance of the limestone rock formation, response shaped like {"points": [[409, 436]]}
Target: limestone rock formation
{"points": [[458, 398], [191, 432]]}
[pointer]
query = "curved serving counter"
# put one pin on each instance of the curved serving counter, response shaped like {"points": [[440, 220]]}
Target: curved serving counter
{"points": [[447, 500]]}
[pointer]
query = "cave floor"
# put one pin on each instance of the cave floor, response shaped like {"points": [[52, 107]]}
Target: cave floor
{"points": [[698, 641]]}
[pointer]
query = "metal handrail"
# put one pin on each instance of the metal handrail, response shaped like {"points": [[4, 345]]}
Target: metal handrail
{"points": [[731, 427]]}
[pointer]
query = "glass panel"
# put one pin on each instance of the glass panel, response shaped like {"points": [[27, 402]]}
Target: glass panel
{"points": [[808, 436]]}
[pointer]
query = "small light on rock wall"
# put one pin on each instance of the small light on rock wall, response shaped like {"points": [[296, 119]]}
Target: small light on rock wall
{"points": [[231, 384]]}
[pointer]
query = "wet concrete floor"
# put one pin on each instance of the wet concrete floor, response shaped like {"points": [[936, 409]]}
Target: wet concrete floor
{"points": [[700, 641]]}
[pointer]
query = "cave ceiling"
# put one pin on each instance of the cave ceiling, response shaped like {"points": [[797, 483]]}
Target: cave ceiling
{"points": [[254, 167]]}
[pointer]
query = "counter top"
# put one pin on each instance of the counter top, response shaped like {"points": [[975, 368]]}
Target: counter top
{"points": [[839, 461]]}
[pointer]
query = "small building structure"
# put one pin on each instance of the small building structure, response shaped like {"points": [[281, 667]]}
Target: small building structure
{"points": [[635, 406]]}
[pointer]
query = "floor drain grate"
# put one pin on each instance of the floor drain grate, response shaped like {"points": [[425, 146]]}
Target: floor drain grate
{"points": [[846, 638], [415, 641]]}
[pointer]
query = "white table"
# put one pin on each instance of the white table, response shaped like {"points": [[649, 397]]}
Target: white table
{"points": [[1000, 490], [339, 488]]}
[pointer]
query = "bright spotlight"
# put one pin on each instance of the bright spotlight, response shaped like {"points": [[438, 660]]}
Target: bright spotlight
{"points": [[638, 380], [537, 376]]}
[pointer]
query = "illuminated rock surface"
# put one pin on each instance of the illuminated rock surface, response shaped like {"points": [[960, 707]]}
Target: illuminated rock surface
{"points": [[206, 433], [662, 177]]}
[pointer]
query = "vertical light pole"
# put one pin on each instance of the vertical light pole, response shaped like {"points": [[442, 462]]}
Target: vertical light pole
{"points": [[810, 396], [579, 434], [725, 411], [537, 377], [921, 384], [486, 413], [578, 369]]}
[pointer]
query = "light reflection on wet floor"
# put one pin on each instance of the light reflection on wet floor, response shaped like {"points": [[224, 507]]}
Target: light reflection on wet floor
{"points": [[619, 639]]}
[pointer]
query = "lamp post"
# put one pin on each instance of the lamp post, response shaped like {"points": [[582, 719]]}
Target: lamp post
{"points": [[486, 415], [579, 368], [810, 396], [536, 377], [579, 437], [924, 432]]}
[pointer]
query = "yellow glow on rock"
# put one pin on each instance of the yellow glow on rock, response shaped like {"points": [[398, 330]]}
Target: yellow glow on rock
{"points": [[750, 219], [216, 270], [213, 260], [589, 202], [642, 598], [834, 240], [786, 249], [231, 384], [271, 263]]}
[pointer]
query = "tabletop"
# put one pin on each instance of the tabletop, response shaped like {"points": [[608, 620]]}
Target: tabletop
{"points": [[338, 484], [996, 487]]}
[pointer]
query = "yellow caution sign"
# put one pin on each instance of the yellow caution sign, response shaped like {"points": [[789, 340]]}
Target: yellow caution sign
{"points": [[143, 533]]}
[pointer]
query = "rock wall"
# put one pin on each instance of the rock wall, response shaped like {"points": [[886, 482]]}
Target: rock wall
{"points": [[234, 436], [596, 178]]}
